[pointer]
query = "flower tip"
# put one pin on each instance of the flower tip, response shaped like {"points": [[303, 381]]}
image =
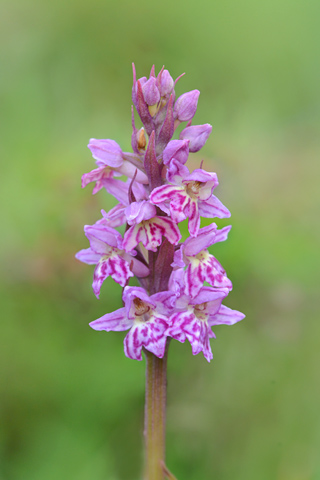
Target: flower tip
{"points": [[93, 325]]}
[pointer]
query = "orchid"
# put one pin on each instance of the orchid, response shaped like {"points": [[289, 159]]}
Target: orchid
{"points": [[146, 317], [107, 253], [156, 191], [189, 196], [196, 316], [148, 228], [201, 265]]}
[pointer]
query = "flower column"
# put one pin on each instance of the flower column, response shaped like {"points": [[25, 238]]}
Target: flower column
{"points": [[159, 193]]}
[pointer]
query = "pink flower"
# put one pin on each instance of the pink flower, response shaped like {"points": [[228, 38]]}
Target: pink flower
{"points": [[107, 253], [194, 318], [201, 265], [148, 228], [111, 161], [189, 196], [146, 317]]}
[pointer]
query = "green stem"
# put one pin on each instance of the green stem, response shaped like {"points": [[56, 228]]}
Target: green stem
{"points": [[155, 416]]}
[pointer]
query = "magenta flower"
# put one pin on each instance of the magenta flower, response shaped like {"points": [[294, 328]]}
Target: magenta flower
{"points": [[107, 253], [148, 228], [189, 196], [201, 265], [111, 161], [146, 317], [195, 317]]}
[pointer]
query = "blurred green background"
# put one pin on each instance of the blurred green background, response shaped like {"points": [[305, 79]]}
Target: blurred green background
{"points": [[71, 402]]}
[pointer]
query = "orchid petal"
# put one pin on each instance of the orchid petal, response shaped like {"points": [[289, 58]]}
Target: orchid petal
{"points": [[139, 269], [88, 256], [149, 335], [178, 149], [225, 316], [117, 189], [101, 237], [194, 218], [205, 238], [115, 321], [168, 229], [164, 193], [132, 237], [114, 266], [116, 216], [213, 208], [139, 211], [106, 152], [131, 171]]}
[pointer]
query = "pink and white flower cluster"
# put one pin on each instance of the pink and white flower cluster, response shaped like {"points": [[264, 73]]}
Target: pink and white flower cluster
{"points": [[157, 194]]}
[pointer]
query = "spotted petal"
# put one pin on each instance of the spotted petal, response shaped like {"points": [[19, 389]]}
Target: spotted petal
{"points": [[150, 232], [186, 326], [165, 193], [114, 266], [205, 269], [149, 335]]}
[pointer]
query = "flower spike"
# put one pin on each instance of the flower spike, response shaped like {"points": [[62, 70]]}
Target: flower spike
{"points": [[158, 192]]}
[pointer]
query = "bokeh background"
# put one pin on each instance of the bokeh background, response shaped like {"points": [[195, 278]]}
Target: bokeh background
{"points": [[71, 402]]}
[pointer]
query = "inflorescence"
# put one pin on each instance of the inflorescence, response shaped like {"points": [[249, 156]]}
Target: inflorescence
{"points": [[159, 192]]}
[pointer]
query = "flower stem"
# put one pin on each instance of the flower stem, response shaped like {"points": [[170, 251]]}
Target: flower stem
{"points": [[155, 416]]}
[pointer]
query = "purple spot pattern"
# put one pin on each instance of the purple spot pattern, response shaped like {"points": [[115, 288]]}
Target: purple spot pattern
{"points": [[150, 233], [186, 326]]}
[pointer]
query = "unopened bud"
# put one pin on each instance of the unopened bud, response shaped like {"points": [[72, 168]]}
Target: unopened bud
{"points": [[197, 134], [186, 106], [166, 83], [141, 139], [151, 92]]}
